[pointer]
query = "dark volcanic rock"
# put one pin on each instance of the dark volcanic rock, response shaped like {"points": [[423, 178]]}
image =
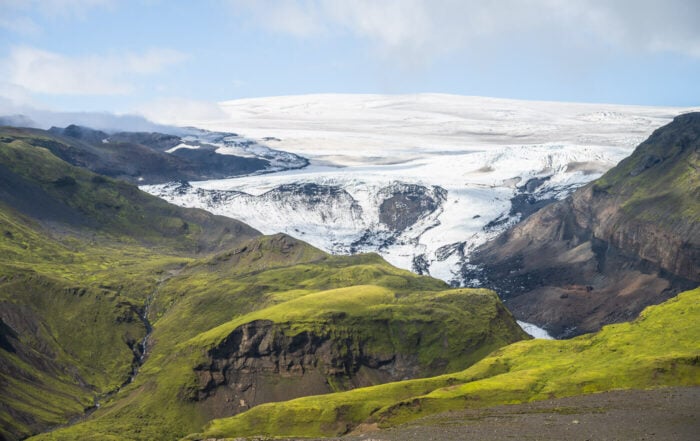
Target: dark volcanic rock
{"points": [[156, 141], [405, 204], [258, 363], [420, 265], [8, 337], [82, 133], [142, 158], [209, 164], [312, 193], [617, 245], [526, 204]]}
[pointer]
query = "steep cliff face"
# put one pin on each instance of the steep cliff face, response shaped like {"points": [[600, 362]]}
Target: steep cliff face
{"points": [[260, 363], [344, 339], [623, 242]]}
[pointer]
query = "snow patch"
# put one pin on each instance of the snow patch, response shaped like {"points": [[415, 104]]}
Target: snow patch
{"points": [[182, 146], [535, 331]]}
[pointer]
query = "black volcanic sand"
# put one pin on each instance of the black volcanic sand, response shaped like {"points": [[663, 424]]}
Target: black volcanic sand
{"points": [[669, 414]]}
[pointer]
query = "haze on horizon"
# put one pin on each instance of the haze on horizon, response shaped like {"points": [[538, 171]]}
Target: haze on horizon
{"points": [[156, 57]]}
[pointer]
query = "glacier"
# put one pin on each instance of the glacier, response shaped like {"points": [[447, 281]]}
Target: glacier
{"points": [[420, 179]]}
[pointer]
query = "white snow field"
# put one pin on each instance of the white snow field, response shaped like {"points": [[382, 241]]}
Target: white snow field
{"points": [[480, 152]]}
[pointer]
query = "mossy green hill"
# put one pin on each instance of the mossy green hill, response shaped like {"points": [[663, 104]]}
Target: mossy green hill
{"points": [[79, 255], [68, 200], [109, 296], [660, 348]]}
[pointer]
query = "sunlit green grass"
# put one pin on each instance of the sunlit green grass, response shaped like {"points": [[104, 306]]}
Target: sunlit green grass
{"points": [[200, 303], [660, 348]]}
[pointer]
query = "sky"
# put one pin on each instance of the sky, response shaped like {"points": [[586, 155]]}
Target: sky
{"points": [[151, 57]]}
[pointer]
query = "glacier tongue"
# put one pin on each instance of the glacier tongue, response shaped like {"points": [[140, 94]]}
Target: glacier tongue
{"points": [[424, 215], [421, 179]]}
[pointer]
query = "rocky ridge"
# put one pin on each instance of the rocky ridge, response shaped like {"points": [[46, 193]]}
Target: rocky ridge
{"points": [[625, 241], [151, 157]]}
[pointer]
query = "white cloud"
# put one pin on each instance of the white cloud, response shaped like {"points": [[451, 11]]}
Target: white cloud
{"points": [[416, 30], [295, 17], [15, 95], [46, 72], [180, 111], [151, 61]]}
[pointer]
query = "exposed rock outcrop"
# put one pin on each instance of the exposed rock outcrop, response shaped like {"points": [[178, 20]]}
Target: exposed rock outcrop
{"points": [[149, 158], [405, 204], [263, 361], [259, 363], [617, 245]]}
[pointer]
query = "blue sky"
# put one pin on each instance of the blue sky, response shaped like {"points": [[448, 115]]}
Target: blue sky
{"points": [[143, 56]]}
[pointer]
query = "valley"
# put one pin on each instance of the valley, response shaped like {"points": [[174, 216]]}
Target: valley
{"points": [[323, 220], [126, 317], [103, 274]]}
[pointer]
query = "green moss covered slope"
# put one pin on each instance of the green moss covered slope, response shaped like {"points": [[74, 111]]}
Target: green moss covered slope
{"points": [[660, 348], [72, 201], [327, 298], [80, 254]]}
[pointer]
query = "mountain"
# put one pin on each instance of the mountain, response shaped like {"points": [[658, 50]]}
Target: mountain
{"points": [[149, 157], [124, 316], [67, 199], [17, 121], [456, 170], [625, 241], [81, 253]]}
